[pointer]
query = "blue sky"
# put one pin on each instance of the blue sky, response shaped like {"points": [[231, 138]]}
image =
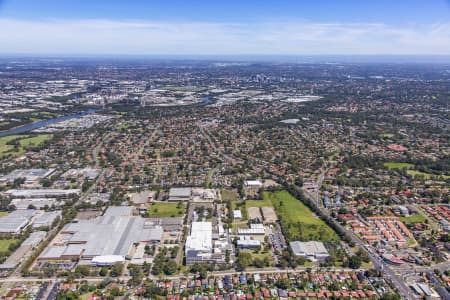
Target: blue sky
{"points": [[294, 27]]}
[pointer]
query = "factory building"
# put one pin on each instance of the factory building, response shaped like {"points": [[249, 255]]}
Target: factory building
{"points": [[32, 177], [246, 242], [180, 194], [16, 221], [104, 240], [200, 247], [42, 193], [255, 229], [312, 250]]}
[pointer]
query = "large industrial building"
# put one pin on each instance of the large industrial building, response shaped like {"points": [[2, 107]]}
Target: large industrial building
{"points": [[180, 194], [255, 229], [246, 242], [38, 203], [16, 221], [312, 250], [32, 177], [45, 219], [20, 253], [42, 193], [200, 246], [105, 240]]}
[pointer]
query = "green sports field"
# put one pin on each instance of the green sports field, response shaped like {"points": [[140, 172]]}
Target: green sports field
{"points": [[161, 210], [298, 221]]}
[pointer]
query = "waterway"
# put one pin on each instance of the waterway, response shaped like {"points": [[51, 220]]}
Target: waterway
{"points": [[35, 125]]}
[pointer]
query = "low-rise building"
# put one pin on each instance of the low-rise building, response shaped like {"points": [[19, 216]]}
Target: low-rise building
{"points": [[312, 250], [180, 194]]}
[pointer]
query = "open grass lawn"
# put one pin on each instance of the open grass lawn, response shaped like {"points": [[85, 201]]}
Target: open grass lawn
{"points": [[333, 156], [259, 203], [414, 173], [229, 195], [24, 142], [425, 175], [4, 148], [398, 165], [298, 221], [35, 140], [4, 244], [236, 225], [410, 242], [416, 218], [159, 209], [3, 213], [410, 169], [124, 125], [260, 255]]}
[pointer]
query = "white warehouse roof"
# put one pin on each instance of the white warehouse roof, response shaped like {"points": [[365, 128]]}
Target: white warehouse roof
{"points": [[201, 237]]}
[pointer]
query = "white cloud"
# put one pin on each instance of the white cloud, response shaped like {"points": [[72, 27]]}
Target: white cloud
{"points": [[144, 37]]}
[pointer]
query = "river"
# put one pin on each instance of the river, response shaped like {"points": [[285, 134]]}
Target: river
{"points": [[43, 123]]}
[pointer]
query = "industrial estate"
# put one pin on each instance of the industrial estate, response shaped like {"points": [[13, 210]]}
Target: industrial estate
{"points": [[224, 180]]}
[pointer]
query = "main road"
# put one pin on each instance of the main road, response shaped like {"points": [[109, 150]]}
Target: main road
{"points": [[181, 276], [376, 260]]}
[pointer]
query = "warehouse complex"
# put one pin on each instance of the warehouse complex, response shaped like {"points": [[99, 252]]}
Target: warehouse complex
{"points": [[312, 250], [32, 177], [180, 194], [42, 193], [17, 220], [200, 246], [104, 240]]}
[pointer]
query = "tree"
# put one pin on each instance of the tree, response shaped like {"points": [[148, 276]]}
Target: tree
{"points": [[103, 272], [363, 255], [136, 275], [170, 267], [117, 270], [82, 270], [282, 283], [354, 262], [115, 292], [243, 261], [257, 262], [390, 296]]}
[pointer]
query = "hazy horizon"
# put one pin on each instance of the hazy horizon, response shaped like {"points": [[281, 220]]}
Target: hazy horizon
{"points": [[325, 27]]}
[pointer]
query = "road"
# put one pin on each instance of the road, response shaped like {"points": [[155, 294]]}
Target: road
{"points": [[406, 270], [181, 276], [376, 260]]}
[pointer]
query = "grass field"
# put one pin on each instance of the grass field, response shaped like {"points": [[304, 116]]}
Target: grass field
{"points": [[416, 218], [24, 142], [124, 125], [4, 148], [410, 169], [298, 221], [166, 210], [398, 165], [258, 203], [261, 255], [4, 244], [425, 175], [333, 156], [35, 140], [229, 195], [3, 213]]}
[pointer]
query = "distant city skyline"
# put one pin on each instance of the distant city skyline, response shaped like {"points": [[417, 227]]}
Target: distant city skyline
{"points": [[101, 27]]}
